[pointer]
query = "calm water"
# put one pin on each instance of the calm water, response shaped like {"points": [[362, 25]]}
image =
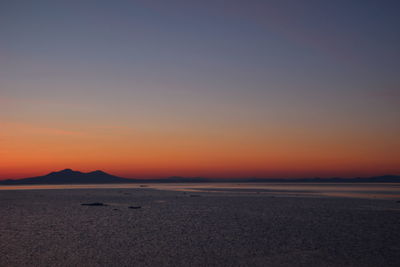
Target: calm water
{"points": [[358, 190]]}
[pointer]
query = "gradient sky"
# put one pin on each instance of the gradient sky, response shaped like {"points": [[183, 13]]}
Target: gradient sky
{"points": [[232, 88]]}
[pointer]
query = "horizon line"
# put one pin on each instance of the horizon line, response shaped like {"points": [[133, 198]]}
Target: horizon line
{"points": [[205, 177]]}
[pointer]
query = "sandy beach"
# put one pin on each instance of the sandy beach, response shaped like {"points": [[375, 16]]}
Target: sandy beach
{"points": [[175, 228]]}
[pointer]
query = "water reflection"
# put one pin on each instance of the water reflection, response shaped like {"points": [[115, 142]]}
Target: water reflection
{"points": [[358, 190]]}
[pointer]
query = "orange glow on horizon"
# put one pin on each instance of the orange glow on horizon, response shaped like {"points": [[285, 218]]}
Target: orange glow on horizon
{"points": [[33, 151]]}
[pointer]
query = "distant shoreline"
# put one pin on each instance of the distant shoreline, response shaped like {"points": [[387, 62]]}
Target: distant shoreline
{"points": [[37, 180], [68, 176]]}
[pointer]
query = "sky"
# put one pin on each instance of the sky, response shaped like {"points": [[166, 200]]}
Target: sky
{"points": [[238, 88]]}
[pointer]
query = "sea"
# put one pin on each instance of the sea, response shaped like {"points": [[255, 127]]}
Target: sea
{"points": [[350, 190]]}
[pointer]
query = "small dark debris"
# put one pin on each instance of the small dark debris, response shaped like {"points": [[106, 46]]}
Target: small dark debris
{"points": [[134, 207], [398, 201], [94, 204], [194, 195], [116, 209]]}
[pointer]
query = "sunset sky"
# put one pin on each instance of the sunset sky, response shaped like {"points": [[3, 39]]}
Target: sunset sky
{"points": [[148, 89]]}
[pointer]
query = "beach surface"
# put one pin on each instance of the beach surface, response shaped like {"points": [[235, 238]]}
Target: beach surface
{"points": [[149, 227]]}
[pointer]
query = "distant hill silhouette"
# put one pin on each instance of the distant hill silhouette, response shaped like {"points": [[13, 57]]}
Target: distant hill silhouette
{"points": [[375, 179], [69, 176]]}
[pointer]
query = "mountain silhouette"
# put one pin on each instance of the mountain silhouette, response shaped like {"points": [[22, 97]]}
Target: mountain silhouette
{"points": [[69, 176]]}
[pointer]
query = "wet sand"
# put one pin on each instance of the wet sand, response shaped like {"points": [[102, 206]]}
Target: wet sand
{"points": [[174, 228]]}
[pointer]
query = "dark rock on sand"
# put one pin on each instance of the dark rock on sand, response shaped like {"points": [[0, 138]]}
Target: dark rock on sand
{"points": [[94, 204], [134, 207]]}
